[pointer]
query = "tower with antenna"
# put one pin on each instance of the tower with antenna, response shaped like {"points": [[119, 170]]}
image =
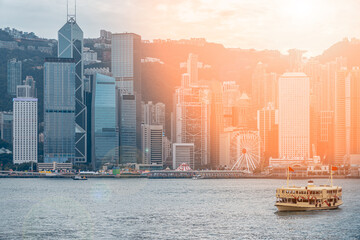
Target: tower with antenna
{"points": [[71, 10], [70, 45]]}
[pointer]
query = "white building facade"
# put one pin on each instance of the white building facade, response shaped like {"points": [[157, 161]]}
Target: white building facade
{"points": [[25, 130], [294, 115]]}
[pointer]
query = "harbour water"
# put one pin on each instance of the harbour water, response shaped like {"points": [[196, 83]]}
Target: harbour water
{"points": [[167, 209]]}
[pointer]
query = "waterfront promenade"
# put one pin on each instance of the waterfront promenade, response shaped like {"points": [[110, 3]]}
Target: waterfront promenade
{"points": [[203, 174]]}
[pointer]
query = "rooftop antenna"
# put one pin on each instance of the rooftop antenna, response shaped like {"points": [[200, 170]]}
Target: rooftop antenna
{"points": [[71, 13]]}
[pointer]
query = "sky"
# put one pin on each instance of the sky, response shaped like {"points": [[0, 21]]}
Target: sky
{"points": [[311, 25]]}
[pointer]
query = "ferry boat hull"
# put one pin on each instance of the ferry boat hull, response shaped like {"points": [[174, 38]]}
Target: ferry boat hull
{"points": [[288, 208]]}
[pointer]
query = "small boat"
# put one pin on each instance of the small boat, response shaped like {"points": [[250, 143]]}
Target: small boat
{"points": [[78, 177], [197, 176], [310, 197]]}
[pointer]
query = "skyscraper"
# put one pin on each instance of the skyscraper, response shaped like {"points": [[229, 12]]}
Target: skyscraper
{"points": [[154, 114], [347, 115], [126, 68], [29, 81], [294, 116], [25, 129], [70, 45], [126, 58], [216, 122], [89, 79], [6, 126], [23, 91], [192, 69], [152, 144], [326, 138], [105, 133], [268, 127], [192, 120], [271, 89], [243, 112], [342, 140], [231, 94], [59, 110], [14, 76], [295, 60], [127, 128], [257, 87]]}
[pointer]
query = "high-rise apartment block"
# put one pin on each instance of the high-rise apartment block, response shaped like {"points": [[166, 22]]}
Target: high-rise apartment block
{"points": [[25, 129]]}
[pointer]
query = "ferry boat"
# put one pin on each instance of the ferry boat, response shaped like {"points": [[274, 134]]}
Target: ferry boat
{"points": [[78, 177], [310, 197], [197, 176]]}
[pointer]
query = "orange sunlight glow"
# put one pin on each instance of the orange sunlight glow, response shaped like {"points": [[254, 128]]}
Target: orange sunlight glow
{"points": [[301, 12]]}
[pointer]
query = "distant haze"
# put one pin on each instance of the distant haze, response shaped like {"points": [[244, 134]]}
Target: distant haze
{"points": [[311, 25]]}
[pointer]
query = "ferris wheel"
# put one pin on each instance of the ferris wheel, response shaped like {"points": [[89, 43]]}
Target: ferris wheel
{"points": [[245, 150]]}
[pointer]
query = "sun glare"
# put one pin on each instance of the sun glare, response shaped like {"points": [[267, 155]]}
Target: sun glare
{"points": [[301, 9], [300, 12]]}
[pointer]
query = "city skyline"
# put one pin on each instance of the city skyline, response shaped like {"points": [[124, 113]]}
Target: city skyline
{"points": [[281, 25], [190, 119], [206, 105]]}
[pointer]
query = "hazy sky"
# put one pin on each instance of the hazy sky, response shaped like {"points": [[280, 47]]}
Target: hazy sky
{"points": [[312, 25]]}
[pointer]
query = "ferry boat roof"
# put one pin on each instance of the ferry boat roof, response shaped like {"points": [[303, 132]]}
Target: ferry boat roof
{"points": [[312, 187]]}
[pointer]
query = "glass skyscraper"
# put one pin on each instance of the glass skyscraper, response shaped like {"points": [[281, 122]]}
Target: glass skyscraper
{"points": [[6, 126], [14, 77], [105, 134], [127, 122], [59, 110], [126, 68], [126, 58], [70, 45]]}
